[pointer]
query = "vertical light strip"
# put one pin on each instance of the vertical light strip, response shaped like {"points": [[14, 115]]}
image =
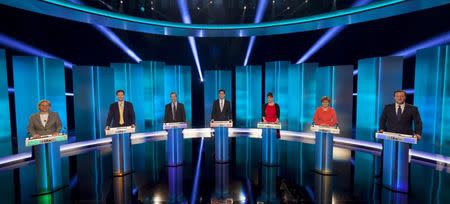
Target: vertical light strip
{"points": [[186, 17]]}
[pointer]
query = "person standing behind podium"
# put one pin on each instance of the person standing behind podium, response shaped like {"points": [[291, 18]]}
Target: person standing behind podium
{"points": [[221, 110], [325, 115], [271, 112], [121, 113], [174, 111], [399, 116], [45, 122]]}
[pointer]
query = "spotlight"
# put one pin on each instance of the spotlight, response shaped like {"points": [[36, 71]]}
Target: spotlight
{"points": [[121, 2], [198, 8], [245, 7], [211, 2], [142, 8], [288, 8], [152, 8], [306, 1], [273, 2]]}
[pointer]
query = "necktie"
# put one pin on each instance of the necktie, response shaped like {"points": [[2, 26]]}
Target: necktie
{"points": [[221, 105], [174, 111], [399, 112], [121, 121]]}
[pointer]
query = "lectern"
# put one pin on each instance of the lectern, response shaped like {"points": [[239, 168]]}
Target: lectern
{"points": [[221, 139], [47, 158], [324, 148], [396, 160], [174, 143], [269, 143], [121, 149]]}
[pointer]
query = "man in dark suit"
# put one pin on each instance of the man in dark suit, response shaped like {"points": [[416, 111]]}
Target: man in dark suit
{"points": [[399, 116], [121, 113], [174, 111], [221, 110]]}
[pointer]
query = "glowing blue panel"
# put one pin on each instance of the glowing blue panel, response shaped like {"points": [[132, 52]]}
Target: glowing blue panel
{"points": [[275, 82], [215, 80], [37, 78], [93, 89], [5, 126], [378, 78], [432, 95], [336, 82], [248, 96], [294, 89], [302, 92]]}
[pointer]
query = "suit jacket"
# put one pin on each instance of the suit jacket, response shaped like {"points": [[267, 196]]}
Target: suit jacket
{"points": [[114, 115], [277, 109], [390, 123], [180, 113], [224, 115], [35, 125]]}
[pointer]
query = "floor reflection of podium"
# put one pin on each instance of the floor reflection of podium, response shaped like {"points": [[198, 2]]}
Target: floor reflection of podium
{"points": [[268, 185], [323, 188], [222, 184], [176, 185], [123, 186]]}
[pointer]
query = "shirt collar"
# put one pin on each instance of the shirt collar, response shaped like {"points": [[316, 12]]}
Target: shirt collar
{"points": [[401, 105]]}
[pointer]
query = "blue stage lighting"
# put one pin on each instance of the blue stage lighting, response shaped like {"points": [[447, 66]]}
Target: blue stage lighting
{"points": [[116, 40], [22, 47], [108, 33], [330, 34], [197, 172], [186, 17], [262, 5], [434, 41]]}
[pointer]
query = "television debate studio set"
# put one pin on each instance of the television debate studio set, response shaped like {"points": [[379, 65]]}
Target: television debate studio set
{"points": [[224, 101]]}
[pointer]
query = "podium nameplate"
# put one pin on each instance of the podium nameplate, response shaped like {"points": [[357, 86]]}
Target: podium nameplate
{"points": [[44, 139], [262, 125], [120, 130], [227, 124], [167, 126], [396, 137], [325, 129]]}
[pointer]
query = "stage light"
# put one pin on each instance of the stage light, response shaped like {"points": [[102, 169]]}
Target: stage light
{"points": [[186, 17], [440, 39], [329, 35], [22, 47], [245, 7], [262, 5], [197, 172], [114, 38]]}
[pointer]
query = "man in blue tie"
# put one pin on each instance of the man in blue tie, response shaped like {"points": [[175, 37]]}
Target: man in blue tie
{"points": [[399, 117]]}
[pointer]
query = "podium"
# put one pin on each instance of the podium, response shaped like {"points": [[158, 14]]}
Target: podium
{"points": [[47, 158], [395, 159], [174, 143], [121, 149], [221, 140], [269, 142], [324, 148]]}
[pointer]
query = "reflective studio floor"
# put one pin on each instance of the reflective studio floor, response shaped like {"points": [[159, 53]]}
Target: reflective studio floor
{"points": [[243, 180]]}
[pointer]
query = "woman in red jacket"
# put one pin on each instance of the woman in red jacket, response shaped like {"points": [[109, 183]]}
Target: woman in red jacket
{"points": [[325, 115], [271, 112]]}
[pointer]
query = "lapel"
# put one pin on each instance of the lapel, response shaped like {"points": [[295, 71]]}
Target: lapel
{"points": [[37, 119], [48, 119]]}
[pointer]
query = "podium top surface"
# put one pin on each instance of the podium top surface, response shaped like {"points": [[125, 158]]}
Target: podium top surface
{"points": [[167, 126], [227, 124], [120, 130], [262, 125], [325, 129], [396, 137], [44, 139]]}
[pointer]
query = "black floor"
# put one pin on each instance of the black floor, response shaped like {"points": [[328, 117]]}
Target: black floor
{"points": [[243, 180]]}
